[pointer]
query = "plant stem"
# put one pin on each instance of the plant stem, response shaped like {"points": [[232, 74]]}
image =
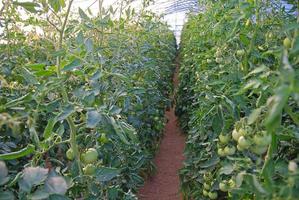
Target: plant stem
{"points": [[101, 17], [73, 142]]}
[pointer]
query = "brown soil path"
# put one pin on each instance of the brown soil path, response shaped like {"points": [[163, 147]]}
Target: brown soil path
{"points": [[165, 185]]}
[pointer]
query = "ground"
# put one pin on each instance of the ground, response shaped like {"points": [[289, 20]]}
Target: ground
{"points": [[165, 185]]}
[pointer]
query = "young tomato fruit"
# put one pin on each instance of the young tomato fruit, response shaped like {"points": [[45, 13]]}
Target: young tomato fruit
{"points": [[243, 142], [205, 193], [262, 140], [248, 22], [206, 186], [259, 150], [103, 139], [89, 169], [223, 186], [213, 195], [287, 43], [224, 139], [241, 52], [221, 152], [90, 156], [70, 154], [236, 135], [229, 150]]}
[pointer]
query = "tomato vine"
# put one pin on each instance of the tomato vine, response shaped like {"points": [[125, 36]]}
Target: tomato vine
{"points": [[238, 101]]}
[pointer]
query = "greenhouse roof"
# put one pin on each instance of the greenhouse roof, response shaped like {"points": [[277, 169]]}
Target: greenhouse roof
{"points": [[174, 11]]}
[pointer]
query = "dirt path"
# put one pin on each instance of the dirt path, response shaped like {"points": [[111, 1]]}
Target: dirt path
{"points": [[164, 185]]}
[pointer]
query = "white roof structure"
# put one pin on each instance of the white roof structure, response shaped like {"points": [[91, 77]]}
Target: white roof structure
{"points": [[174, 11]]}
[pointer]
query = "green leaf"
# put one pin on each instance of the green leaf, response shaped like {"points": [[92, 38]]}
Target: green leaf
{"points": [[83, 14], [294, 116], [80, 38], [32, 176], [89, 45], [3, 170], [56, 185], [295, 48], [49, 128], [58, 197], [44, 73], [254, 182], [276, 104], [3, 173], [211, 162], [119, 132], [257, 70], [290, 27], [104, 174], [18, 154], [244, 39], [66, 112], [240, 179], [254, 115], [29, 6], [226, 169], [114, 110], [36, 66], [39, 195], [129, 131], [73, 65], [57, 5], [7, 195], [28, 76], [252, 84], [60, 52], [93, 118]]}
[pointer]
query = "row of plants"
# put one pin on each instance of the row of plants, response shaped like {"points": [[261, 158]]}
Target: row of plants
{"points": [[238, 101], [82, 99]]}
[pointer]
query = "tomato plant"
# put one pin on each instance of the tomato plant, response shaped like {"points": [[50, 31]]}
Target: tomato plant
{"points": [[82, 99], [238, 100]]}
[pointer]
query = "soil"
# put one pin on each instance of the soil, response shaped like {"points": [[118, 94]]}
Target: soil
{"points": [[165, 185]]}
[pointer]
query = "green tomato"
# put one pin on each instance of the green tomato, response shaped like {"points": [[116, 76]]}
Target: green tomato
{"points": [[3, 170], [90, 156], [103, 139], [209, 61], [243, 142], [292, 166], [259, 150], [221, 152], [70, 154], [206, 186], [287, 43], [243, 132], [262, 140], [219, 60], [207, 176], [231, 183], [218, 54], [213, 195], [248, 22], [230, 150], [236, 135], [89, 169], [240, 148], [269, 35], [223, 186], [291, 181], [224, 139], [241, 52], [205, 193]]}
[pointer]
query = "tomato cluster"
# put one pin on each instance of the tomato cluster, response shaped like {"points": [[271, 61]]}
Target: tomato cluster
{"points": [[238, 101]]}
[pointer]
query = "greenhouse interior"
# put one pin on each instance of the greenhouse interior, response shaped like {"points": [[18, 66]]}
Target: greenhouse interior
{"points": [[149, 99]]}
